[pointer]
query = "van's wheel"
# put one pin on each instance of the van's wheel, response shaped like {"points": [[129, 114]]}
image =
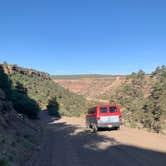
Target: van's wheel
{"points": [[94, 128], [117, 128], [87, 125]]}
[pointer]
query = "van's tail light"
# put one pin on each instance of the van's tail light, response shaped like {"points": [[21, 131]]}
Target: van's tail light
{"points": [[120, 118], [98, 118]]}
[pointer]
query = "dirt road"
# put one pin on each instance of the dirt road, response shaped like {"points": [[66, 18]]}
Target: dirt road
{"points": [[67, 143]]}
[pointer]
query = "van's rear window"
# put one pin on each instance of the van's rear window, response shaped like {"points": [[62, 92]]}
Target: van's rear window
{"points": [[103, 110], [113, 109]]}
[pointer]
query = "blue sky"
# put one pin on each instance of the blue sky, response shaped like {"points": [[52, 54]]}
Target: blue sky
{"points": [[84, 36]]}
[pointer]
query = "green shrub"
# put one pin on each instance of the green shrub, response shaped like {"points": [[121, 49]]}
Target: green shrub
{"points": [[4, 162], [53, 107]]}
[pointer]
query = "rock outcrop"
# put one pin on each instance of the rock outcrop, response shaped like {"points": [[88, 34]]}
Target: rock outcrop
{"points": [[10, 69]]}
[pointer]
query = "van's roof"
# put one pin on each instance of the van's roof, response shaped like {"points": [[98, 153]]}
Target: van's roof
{"points": [[107, 105]]}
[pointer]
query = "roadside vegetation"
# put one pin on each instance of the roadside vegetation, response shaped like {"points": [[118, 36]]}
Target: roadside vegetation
{"points": [[53, 107]]}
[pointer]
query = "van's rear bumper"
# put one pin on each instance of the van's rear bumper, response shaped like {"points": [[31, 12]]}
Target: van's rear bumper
{"points": [[108, 125]]}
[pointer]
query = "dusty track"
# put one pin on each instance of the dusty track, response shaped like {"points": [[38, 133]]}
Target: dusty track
{"points": [[67, 143]]}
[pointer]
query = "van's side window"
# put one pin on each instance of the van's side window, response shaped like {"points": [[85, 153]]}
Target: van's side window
{"points": [[103, 110], [113, 109]]}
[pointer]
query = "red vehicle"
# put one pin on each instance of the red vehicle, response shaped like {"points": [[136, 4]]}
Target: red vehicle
{"points": [[104, 116]]}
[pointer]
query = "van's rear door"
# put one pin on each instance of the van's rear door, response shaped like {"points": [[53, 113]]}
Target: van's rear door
{"points": [[109, 115], [114, 114], [104, 115]]}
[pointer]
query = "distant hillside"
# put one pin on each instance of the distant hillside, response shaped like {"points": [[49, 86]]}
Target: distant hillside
{"points": [[91, 87], [98, 87], [41, 88], [79, 76]]}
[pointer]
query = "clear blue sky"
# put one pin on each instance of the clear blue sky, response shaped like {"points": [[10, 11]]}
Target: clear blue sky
{"points": [[84, 36]]}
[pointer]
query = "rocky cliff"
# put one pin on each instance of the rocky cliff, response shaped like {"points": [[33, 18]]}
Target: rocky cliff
{"points": [[14, 69]]}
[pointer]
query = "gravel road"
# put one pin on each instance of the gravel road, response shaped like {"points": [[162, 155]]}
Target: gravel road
{"points": [[66, 142]]}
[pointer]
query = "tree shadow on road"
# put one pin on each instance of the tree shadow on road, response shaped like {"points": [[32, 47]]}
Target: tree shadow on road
{"points": [[92, 149]]}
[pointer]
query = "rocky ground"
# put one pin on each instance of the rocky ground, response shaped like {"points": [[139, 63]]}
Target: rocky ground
{"points": [[19, 136]]}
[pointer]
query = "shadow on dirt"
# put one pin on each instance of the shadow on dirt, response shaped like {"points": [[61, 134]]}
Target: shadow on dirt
{"points": [[91, 149], [107, 129], [46, 118]]}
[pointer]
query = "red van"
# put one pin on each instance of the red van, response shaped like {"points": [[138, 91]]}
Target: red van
{"points": [[105, 116]]}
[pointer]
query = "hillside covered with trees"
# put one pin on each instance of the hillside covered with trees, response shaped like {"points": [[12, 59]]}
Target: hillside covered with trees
{"points": [[40, 88], [143, 100]]}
